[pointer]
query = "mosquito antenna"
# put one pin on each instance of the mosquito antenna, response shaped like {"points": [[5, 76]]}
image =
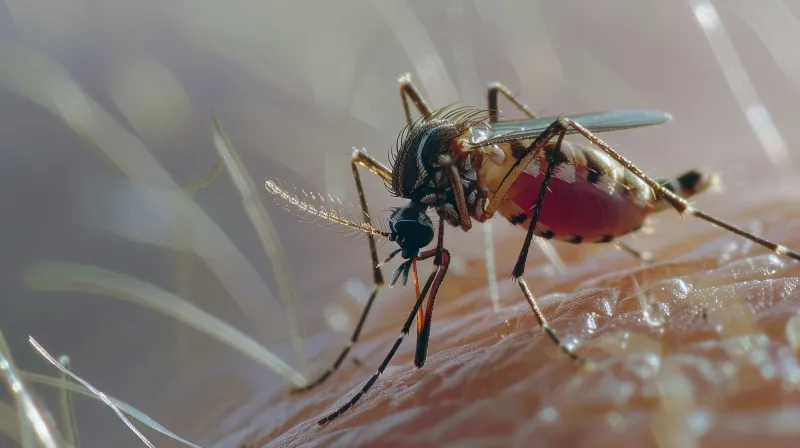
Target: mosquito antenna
{"points": [[316, 207]]}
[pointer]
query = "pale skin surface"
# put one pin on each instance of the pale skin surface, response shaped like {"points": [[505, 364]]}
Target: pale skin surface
{"points": [[489, 376]]}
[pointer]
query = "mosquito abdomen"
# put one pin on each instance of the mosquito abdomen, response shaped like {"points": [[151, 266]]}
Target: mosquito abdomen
{"points": [[591, 198], [686, 185]]}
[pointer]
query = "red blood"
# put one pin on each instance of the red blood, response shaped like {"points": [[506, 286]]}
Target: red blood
{"points": [[578, 208]]}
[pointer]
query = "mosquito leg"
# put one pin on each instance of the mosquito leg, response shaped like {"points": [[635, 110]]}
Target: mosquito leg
{"points": [[643, 256], [519, 268], [424, 333], [545, 246], [349, 346], [423, 337], [494, 111], [680, 204], [441, 262], [435, 278], [409, 91], [360, 158], [519, 166]]}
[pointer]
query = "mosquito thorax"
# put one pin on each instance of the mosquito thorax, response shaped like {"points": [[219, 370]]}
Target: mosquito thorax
{"points": [[416, 162], [422, 169], [411, 228]]}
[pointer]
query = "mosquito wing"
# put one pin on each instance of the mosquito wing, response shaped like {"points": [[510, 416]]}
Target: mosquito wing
{"points": [[597, 122]]}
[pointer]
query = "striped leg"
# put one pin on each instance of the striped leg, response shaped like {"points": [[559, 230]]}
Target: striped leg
{"points": [[360, 158], [519, 268], [410, 92], [496, 89], [441, 261]]}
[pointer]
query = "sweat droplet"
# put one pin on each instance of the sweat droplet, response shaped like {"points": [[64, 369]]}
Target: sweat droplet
{"points": [[793, 332], [548, 414]]}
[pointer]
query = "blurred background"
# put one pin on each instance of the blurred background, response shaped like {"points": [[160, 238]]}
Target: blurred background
{"points": [[106, 111]]}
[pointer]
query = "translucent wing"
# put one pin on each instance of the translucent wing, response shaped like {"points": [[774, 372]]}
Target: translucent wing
{"points": [[504, 131]]}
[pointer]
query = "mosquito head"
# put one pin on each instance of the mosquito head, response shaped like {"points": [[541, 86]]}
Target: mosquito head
{"points": [[411, 228]]}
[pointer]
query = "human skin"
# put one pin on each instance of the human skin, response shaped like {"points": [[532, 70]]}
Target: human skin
{"points": [[697, 349]]}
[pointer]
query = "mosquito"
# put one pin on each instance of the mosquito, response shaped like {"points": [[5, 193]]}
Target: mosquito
{"points": [[466, 165]]}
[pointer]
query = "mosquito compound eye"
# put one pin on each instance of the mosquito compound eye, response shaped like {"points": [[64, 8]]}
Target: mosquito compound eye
{"points": [[412, 230]]}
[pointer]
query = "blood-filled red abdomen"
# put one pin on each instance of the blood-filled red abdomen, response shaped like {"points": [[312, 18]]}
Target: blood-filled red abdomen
{"points": [[574, 206]]}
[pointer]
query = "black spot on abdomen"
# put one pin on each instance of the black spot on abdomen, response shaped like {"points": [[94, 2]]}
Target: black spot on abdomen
{"points": [[594, 168], [519, 219]]}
